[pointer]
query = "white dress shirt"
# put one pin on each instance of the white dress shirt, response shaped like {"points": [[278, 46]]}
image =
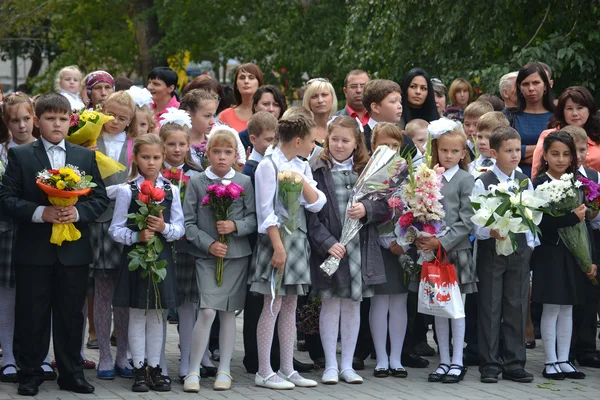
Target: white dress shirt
{"points": [[255, 156], [449, 173], [482, 233], [74, 100], [345, 165], [57, 154], [114, 144], [119, 231], [266, 184]]}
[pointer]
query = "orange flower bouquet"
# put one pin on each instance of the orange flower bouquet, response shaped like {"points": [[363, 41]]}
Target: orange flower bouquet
{"points": [[63, 187]]}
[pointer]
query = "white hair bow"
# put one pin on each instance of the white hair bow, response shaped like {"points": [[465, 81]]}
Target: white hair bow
{"points": [[176, 116], [440, 126], [141, 97]]}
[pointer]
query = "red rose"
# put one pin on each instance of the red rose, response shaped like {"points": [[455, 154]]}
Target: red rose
{"points": [[157, 194], [407, 219], [146, 187], [144, 198], [53, 171]]}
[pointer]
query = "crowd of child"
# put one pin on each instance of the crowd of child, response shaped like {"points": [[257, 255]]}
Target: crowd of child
{"points": [[43, 287]]}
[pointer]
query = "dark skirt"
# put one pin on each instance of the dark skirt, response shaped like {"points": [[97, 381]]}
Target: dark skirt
{"points": [[133, 291], [107, 253], [185, 271], [557, 277], [7, 242], [394, 275]]}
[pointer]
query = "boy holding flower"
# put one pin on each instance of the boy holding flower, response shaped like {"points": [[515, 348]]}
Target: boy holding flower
{"points": [[51, 280]]}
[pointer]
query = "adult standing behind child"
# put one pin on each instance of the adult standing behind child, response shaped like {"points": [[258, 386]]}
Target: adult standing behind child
{"points": [[246, 81], [51, 281], [99, 85], [162, 82]]}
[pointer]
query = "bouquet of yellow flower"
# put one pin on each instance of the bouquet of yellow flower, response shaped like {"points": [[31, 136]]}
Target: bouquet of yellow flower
{"points": [[63, 187], [84, 128]]}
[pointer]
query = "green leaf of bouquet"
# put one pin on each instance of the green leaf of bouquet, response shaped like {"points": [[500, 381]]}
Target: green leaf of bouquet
{"points": [[162, 264], [140, 203], [161, 273], [158, 246], [144, 274], [132, 215]]}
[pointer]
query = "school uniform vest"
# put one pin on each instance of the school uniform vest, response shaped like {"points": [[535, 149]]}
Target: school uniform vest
{"points": [[489, 178], [114, 179]]}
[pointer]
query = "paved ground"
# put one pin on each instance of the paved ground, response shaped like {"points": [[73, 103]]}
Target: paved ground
{"points": [[414, 387]]}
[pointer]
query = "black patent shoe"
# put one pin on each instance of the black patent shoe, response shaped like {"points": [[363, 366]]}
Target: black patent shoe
{"points": [[398, 372], [208, 371], [157, 381], [381, 372], [573, 374], [436, 376], [449, 378], [557, 376], [140, 379]]}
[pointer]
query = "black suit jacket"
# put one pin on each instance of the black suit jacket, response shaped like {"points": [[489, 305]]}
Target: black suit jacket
{"points": [[20, 196]]}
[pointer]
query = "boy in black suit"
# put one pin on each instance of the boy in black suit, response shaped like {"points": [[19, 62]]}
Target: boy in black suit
{"points": [[51, 280]]}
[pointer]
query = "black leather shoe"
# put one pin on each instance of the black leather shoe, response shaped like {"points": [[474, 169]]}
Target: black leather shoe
{"points": [[424, 349], [557, 376], [29, 388], [319, 362], [589, 360], [489, 376], [381, 372], [573, 374], [518, 375], [358, 364], [530, 344], [302, 367], [414, 361], [436, 376], [398, 372], [77, 385], [209, 371], [449, 378]]}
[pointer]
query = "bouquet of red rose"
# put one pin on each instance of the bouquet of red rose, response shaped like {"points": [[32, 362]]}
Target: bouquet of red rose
{"points": [[220, 197], [145, 255], [177, 178]]}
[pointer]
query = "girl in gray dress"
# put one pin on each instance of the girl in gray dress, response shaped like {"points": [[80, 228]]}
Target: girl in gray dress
{"points": [[449, 151], [203, 233], [336, 170]]}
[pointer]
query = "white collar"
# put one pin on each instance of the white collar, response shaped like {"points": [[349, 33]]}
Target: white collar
{"points": [[449, 173], [211, 175], [47, 144], [502, 177], [582, 171], [280, 158], [371, 123], [169, 166], [345, 165], [470, 144], [117, 137], [160, 179], [256, 156]]}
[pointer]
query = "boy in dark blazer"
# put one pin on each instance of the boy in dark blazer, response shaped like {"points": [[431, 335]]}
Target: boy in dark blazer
{"points": [[51, 280]]}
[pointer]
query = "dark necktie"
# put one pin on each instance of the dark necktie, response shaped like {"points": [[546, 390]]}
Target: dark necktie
{"points": [[487, 162]]}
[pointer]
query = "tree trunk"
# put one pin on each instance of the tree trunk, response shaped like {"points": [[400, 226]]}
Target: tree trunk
{"points": [[147, 35]]}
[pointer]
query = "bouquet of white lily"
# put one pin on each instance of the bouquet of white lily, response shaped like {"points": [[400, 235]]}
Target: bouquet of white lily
{"points": [[509, 209]]}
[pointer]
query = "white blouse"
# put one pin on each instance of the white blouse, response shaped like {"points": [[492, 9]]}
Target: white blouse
{"points": [[266, 185], [345, 165], [114, 144], [74, 100], [118, 228]]}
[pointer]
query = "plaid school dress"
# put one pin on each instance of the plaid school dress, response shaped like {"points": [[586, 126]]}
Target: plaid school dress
{"points": [[296, 273]]}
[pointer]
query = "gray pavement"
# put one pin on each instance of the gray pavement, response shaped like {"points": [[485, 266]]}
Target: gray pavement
{"points": [[414, 387]]}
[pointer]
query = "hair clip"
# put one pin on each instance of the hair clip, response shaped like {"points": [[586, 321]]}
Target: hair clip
{"points": [[440, 126], [176, 116], [141, 97]]}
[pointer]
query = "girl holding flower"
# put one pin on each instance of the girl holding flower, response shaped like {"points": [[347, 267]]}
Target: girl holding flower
{"points": [[205, 233], [448, 150], [296, 136], [558, 282], [336, 170], [179, 168], [133, 291]]}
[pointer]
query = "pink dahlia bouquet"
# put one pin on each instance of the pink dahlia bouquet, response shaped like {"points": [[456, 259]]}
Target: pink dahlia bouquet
{"points": [[220, 197]]}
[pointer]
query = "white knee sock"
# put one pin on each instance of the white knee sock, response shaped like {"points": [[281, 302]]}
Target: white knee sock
{"points": [[398, 322], [226, 339], [378, 319], [564, 329], [350, 323], [442, 330], [187, 318], [329, 324], [200, 338], [154, 338], [137, 336], [458, 342], [548, 328], [7, 327]]}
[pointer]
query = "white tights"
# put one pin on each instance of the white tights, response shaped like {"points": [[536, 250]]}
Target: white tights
{"points": [[442, 330], [329, 324], [557, 326], [145, 336], [395, 306]]}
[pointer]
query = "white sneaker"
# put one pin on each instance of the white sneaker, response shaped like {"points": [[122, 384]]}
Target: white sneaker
{"points": [[330, 376], [350, 376], [266, 383], [297, 380]]}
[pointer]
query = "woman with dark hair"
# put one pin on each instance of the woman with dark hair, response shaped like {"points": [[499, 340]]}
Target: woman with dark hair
{"points": [[267, 98], [418, 97], [161, 84], [536, 104], [576, 106], [211, 85], [248, 78]]}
